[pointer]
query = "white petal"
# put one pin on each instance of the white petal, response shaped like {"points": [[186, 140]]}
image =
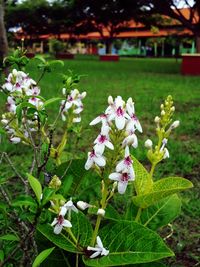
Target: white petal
{"points": [[63, 211], [95, 121], [138, 126], [66, 223], [100, 161], [104, 252], [99, 242], [122, 187], [132, 173], [54, 222], [127, 152], [120, 122], [99, 149], [94, 249], [89, 163], [105, 129], [115, 176], [135, 142], [74, 209], [109, 145], [57, 229], [96, 254], [120, 166]]}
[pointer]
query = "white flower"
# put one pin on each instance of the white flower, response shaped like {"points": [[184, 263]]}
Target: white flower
{"points": [[131, 139], [123, 179], [11, 104], [69, 206], [102, 140], [117, 112], [133, 122], [164, 149], [175, 124], [99, 249], [148, 144], [101, 212], [94, 158], [166, 153], [59, 223], [15, 140], [126, 164], [101, 118], [83, 205], [36, 102]]}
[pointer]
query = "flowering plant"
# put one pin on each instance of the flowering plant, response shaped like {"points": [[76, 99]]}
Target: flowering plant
{"points": [[105, 210]]}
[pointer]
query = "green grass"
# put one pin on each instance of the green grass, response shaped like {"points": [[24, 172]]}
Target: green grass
{"points": [[148, 82]]}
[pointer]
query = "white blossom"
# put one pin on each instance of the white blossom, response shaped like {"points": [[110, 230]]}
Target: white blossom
{"points": [[94, 158], [68, 207], [99, 250], [101, 212], [83, 205], [123, 178], [59, 223]]}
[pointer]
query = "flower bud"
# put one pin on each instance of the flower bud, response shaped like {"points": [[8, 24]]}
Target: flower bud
{"points": [[148, 144], [172, 109], [64, 91], [55, 182], [161, 106], [157, 119], [101, 212], [82, 205], [110, 100], [4, 121], [162, 113], [83, 95], [175, 124]]}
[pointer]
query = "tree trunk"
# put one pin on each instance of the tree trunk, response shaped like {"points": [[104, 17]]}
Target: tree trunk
{"points": [[198, 43], [3, 37], [108, 43]]}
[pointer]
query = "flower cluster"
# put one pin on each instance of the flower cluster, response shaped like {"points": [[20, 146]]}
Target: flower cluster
{"points": [[72, 103], [164, 126], [119, 124], [60, 221], [20, 87]]}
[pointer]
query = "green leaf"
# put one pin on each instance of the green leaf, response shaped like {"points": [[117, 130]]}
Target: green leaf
{"points": [[42, 256], [162, 213], [1, 255], [57, 62], [47, 194], [66, 185], [161, 189], [129, 243], [9, 237], [24, 200], [81, 229], [52, 100], [42, 59], [62, 241], [3, 180], [143, 183], [36, 186]]}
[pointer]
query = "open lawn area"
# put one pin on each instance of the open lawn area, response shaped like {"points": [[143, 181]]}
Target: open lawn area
{"points": [[148, 82]]}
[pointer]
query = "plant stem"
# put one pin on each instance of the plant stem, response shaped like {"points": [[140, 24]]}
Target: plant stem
{"points": [[72, 236], [95, 233], [76, 259], [138, 214]]}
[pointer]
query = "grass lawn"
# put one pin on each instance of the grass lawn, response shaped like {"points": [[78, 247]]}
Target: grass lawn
{"points": [[148, 82]]}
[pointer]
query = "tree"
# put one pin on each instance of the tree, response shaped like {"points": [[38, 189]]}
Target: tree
{"points": [[3, 37], [107, 17], [174, 10]]}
